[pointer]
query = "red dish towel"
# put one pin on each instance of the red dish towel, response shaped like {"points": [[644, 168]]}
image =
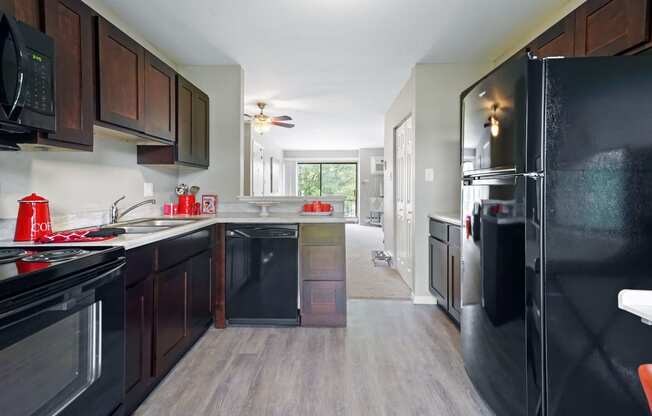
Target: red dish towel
{"points": [[78, 236]]}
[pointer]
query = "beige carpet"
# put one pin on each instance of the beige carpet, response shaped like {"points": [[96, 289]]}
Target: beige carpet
{"points": [[363, 279]]}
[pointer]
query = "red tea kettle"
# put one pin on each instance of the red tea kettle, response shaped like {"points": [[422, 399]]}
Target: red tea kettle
{"points": [[33, 221]]}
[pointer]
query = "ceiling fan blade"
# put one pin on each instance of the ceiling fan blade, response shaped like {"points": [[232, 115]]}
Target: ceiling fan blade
{"points": [[282, 118], [286, 125]]}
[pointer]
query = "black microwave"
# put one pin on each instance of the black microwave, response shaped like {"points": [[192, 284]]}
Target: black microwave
{"points": [[27, 87]]}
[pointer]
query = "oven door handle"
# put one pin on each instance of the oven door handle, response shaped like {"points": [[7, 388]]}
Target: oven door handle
{"points": [[63, 300]]}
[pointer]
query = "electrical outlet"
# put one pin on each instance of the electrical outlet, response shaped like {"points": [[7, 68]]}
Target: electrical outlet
{"points": [[430, 175], [148, 189]]}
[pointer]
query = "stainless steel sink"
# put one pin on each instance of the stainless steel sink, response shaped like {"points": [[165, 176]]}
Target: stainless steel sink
{"points": [[142, 229], [161, 223], [150, 225]]}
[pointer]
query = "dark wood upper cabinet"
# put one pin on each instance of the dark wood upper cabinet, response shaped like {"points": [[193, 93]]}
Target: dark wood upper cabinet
{"points": [[26, 11], [70, 24], [611, 27], [200, 128], [192, 131], [160, 98], [559, 40], [192, 124], [121, 78], [184, 120]]}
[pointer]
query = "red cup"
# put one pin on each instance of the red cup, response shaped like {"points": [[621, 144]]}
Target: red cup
{"points": [[168, 209], [308, 208], [186, 204], [326, 208], [197, 210]]}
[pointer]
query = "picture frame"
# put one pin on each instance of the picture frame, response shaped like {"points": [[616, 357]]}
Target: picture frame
{"points": [[209, 204]]}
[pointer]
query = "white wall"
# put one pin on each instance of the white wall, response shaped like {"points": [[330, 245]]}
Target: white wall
{"points": [[224, 85], [368, 184]]}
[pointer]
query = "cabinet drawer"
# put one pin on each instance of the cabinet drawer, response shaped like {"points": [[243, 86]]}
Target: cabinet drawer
{"points": [[171, 252], [438, 230], [454, 235], [140, 264], [323, 262], [322, 234], [323, 304]]}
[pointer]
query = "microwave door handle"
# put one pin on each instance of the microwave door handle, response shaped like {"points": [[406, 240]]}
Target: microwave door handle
{"points": [[19, 48]]}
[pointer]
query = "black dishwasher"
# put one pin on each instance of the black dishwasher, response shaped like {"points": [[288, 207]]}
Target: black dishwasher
{"points": [[262, 274]]}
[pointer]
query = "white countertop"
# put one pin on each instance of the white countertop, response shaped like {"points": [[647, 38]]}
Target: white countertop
{"points": [[447, 217], [637, 302], [130, 241]]}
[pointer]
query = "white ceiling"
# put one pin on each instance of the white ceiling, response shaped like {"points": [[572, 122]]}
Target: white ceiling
{"points": [[333, 65]]}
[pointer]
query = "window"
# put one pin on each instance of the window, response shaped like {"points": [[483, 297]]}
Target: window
{"points": [[318, 179]]}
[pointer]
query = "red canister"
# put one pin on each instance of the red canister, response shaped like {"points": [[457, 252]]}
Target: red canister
{"points": [[186, 204], [33, 221]]}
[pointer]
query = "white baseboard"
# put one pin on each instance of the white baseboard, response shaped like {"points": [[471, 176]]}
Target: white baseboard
{"points": [[424, 300]]}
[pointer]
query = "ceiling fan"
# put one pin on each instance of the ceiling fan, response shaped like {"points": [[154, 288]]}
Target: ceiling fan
{"points": [[262, 123]]}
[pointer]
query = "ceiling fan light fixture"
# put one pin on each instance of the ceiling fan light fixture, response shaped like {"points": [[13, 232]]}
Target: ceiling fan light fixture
{"points": [[261, 126]]}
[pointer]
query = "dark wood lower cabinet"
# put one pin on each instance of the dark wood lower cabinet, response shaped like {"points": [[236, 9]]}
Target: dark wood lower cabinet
{"points": [[438, 257], [171, 325], [201, 302], [322, 256], [445, 267], [323, 303], [455, 281], [169, 304], [139, 374]]}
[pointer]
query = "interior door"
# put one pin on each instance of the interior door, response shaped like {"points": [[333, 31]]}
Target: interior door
{"points": [[257, 169], [404, 182]]}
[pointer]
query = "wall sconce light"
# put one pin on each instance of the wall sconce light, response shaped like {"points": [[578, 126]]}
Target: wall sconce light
{"points": [[493, 123]]}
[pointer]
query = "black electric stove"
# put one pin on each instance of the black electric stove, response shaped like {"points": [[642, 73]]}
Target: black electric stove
{"points": [[62, 311], [25, 268]]}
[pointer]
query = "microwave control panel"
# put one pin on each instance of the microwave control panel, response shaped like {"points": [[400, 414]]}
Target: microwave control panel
{"points": [[39, 83]]}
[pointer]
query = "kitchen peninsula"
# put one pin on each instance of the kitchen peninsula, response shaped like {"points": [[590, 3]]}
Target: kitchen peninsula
{"points": [[176, 280]]}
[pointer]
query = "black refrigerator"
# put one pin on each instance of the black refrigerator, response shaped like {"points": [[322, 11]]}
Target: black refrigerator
{"points": [[557, 215]]}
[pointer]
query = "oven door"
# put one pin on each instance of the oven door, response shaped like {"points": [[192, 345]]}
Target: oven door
{"points": [[61, 347], [493, 291]]}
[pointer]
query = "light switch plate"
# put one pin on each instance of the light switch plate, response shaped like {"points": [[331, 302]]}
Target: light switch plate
{"points": [[430, 175], [148, 189]]}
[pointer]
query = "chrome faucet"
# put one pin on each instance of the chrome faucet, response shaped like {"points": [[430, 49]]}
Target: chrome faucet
{"points": [[117, 214]]}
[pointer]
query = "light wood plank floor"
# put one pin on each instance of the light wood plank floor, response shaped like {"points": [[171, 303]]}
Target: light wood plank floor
{"points": [[394, 358]]}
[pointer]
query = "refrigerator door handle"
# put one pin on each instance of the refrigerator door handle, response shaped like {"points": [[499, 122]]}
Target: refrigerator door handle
{"points": [[534, 175]]}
